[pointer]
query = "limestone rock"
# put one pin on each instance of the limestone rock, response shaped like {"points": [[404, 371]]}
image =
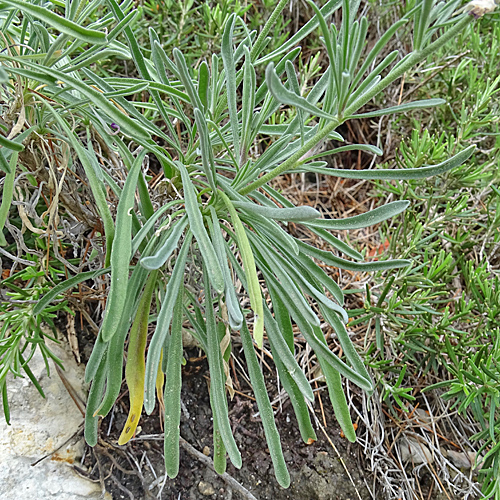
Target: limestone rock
{"points": [[39, 427]]}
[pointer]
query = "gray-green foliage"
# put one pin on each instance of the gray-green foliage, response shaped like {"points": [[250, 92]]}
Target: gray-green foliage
{"points": [[201, 127]]}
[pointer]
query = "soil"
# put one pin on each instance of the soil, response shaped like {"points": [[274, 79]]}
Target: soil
{"points": [[317, 471]]}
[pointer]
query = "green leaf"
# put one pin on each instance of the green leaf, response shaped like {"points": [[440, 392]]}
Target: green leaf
{"points": [[172, 394], [162, 254], [247, 257], [217, 386], [121, 253], [332, 260], [66, 285], [136, 365], [204, 84], [297, 399], [227, 53], [402, 108], [338, 399], [7, 143], [336, 243], [200, 233], [265, 409], [364, 220], [247, 105], [402, 174], [296, 214], [186, 79], [285, 96], [220, 463], [95, 394], [207, 155], [60, 23], [286, 357], [348, 347], [7, 193], [232, 303], [163, 324], [149, 225]]}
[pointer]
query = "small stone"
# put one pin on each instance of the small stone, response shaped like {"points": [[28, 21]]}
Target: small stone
{"points": [[206, 489], [206, 451], [414, 451]]}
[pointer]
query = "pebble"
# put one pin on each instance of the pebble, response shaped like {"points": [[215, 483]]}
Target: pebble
{"points": [[206, 489]]}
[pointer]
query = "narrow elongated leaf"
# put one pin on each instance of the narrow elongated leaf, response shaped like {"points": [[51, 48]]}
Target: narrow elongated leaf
{"points": [[338, 399], [120, 253], [114, 359], [308, 267], [60, 288], [285, 96], [95, 394], [172, 395], [402, 108], [95, 360], [247, 257], [347, 346], [207, 155], [9, 144], [7, 193], [247, 105], [265, 409], [272, 231], [186, 79], [331, 260], [60, 23], [227, 53], [319, 348], [336, 243], [136, 365], [162, 254], [351, 147], [296, 214], [163, 325], [218, 400], [402, 174], [286, 356], [232, 303], [364, 220], [148, 226], [283, 320], [291, 281], [204, 83], [309, 288], [200, 233], [297, 398], [220, 462]]}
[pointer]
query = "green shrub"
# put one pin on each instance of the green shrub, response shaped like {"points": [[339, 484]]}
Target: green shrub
{"points": [[217, 224]]}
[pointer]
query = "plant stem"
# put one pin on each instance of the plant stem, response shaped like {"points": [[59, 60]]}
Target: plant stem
{"points": [[412, 60]]}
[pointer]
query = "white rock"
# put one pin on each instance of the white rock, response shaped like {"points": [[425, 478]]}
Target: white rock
{"points": [[38, 427]]}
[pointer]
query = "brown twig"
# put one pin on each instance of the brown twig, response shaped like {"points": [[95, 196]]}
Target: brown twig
{"points": [[226, 477]]}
